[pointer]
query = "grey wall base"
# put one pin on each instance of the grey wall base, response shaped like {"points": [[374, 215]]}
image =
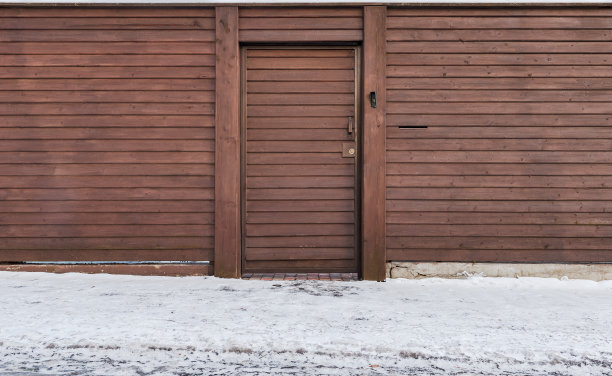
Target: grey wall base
{"points": [[415, 270]]}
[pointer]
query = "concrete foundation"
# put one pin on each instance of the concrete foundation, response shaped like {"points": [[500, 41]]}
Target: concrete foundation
{"points": [[415, 270]]}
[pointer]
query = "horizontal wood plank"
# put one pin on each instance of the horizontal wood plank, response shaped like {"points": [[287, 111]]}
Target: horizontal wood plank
{"points": [[107, 120], [301, 182], [108, 169], [107, 206], [499, 181], [511, 169], [300, 12], [53, 182], [143, 47], [107, 218], [533, 144], [107, 134], [297, 36], [102, 194], [108, 12], [79, 231], [506, 22], [307, 218], [539, 33], [91, 84], [85, 35], [503, 206], [108, 72], [100, 256], [500, 156], [501, 243], [192, 60], [494, 255], [255, 230], [137, 22], [84, 144], [506, 193], [105, 247], [107, 157], [156, 269], [500, 218], [263, 254], [498, 230], [497, 47]]}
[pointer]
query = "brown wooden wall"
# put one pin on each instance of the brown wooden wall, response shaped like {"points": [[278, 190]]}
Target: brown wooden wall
{"points": [[288, 24], [516, 163], [106, 134]]}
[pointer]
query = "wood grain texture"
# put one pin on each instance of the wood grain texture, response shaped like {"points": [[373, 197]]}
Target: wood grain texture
{"points": [[301, 24], [513, 159], [374, 137], [107, 135], [227, 140], [138, 269], [300, 193]]}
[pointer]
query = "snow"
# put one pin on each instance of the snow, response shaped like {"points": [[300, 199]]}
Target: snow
{"points": [[81, 324], [369, 2]]}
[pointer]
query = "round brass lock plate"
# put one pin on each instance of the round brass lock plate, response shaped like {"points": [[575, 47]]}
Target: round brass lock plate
{"points": [[349, 150]]}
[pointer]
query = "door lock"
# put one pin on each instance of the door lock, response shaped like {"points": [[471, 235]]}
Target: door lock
{"points": [[349, 150]]}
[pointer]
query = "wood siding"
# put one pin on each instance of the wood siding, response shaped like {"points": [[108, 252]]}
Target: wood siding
{"points": [[300, 212], [106, 134], [321, 24], [496, 131], [516, 162]]}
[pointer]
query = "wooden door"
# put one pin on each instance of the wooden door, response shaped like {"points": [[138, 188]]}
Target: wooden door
{"points": [[300, 194]]}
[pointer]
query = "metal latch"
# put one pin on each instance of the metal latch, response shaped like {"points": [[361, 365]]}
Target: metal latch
{"points": [[373, 99]]}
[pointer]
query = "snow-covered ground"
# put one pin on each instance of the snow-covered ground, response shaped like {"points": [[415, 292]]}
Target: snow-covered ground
{"points": [[128, 325], [306, 2]]}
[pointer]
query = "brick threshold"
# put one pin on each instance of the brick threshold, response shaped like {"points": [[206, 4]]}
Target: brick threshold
{"points": [[301, 276]]}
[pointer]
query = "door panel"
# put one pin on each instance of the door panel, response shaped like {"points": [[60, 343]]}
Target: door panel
{"points": [[299, 192]]}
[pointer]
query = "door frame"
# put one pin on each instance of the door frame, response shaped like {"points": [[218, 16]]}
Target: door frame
{"points": [[358, 124]]}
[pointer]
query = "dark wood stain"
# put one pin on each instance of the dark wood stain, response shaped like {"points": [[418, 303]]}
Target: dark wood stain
{"points": [[282, 25], [120, 136], [374, 138], [227, 136], [297, 214], [107, 139], [514, 165]]}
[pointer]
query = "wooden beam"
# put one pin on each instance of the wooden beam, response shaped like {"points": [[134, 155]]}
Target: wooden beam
{"points": [[227, 145], [374, 136]]}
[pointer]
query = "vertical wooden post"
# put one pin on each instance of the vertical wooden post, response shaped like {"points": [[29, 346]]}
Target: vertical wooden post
{"points": [[374, 144], [227, 145]]}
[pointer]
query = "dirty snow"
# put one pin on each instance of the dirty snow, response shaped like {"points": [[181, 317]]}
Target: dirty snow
{"points": [[128, 325]]}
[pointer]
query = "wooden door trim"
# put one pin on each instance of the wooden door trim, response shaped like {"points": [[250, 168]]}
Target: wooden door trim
{"points": [[374, 145], [243, 153], [358, 137]]}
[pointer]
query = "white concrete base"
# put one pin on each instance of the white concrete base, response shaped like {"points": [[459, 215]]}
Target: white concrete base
{"points": [[415, 270]]}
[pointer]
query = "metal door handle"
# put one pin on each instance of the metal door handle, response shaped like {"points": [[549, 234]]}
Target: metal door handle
{"points": [[350, 125]]}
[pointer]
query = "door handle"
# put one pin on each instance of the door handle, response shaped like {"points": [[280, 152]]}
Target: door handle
{"points": [[350, 125]]}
